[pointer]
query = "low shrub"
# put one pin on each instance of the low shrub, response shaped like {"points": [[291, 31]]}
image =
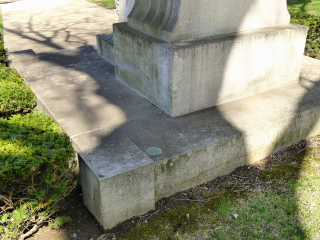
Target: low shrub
{"points": [[2, 49], [312, 48], [10, 75], [2, 52], [36, 160], [36, 171], [15, 96], [34, 151]]}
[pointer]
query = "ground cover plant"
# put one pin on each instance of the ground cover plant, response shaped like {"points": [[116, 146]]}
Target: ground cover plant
{"points": [[35, 173], [36, 160], [15, 96], [2, 50], [312, 48]]}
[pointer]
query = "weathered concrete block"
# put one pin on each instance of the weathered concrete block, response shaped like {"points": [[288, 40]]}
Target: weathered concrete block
{"points": [[105, 46], [117, 181], [171, 20], [220, 157], [196, 147], [188, 76]]}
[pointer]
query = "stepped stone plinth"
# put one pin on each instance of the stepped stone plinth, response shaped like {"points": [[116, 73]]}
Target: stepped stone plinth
{"points": [[235, 63], [184, 58]]}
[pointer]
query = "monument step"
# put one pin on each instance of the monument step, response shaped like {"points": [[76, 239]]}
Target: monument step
{"points": [[105, 46], [187, 76], [113, 130], [122, 178]]}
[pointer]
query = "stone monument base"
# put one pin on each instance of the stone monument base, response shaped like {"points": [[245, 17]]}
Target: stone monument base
{"points": [[187, 76], [121, 179], [105, 47]]}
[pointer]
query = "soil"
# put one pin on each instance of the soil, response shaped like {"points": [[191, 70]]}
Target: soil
{"points": [[84, 226]]}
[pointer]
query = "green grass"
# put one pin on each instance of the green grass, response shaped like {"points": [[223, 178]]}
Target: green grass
{"points": [[305, 6], [104, 3]]}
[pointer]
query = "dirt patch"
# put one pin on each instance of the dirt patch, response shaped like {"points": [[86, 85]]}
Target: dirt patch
{"points": [[247, 178]]}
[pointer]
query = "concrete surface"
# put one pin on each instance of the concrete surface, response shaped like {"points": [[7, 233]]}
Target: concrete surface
{"points": [[124, 9], [45, 26], [108, 121], [187, 76], [105, 46], [22, 56], [118, 182], [173, 21]]}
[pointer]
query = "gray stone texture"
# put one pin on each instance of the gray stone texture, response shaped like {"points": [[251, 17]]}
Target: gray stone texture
{"points": [[105, 46], [184, 77], [201, 146], [172, 21], [125, 7], [117, 182]]}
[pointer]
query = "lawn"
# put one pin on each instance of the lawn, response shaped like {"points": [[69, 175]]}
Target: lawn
{"points": [[306, 6], [104, 3]]}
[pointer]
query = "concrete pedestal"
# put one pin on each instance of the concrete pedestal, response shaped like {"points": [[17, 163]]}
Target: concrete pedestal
{"points": [[120, 179], [187, 76], [237, 62], [115, 175]]}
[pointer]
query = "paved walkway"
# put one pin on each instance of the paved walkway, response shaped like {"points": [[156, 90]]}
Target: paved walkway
{"points": [[73, 84], [44, 25]]}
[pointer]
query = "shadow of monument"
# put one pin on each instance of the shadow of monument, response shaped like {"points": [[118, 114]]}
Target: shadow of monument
{"points": [[205, 119]]}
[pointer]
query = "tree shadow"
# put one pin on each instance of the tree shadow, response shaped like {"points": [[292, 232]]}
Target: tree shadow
{"points": [[84, 60]]}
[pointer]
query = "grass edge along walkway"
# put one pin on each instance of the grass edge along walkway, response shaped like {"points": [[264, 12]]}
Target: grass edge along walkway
{"points": [[36, 160]]}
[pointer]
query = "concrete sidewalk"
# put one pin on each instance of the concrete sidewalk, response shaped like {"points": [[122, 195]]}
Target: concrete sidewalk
{"points": [[45, 26], [113, 128], [73, 84]]}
